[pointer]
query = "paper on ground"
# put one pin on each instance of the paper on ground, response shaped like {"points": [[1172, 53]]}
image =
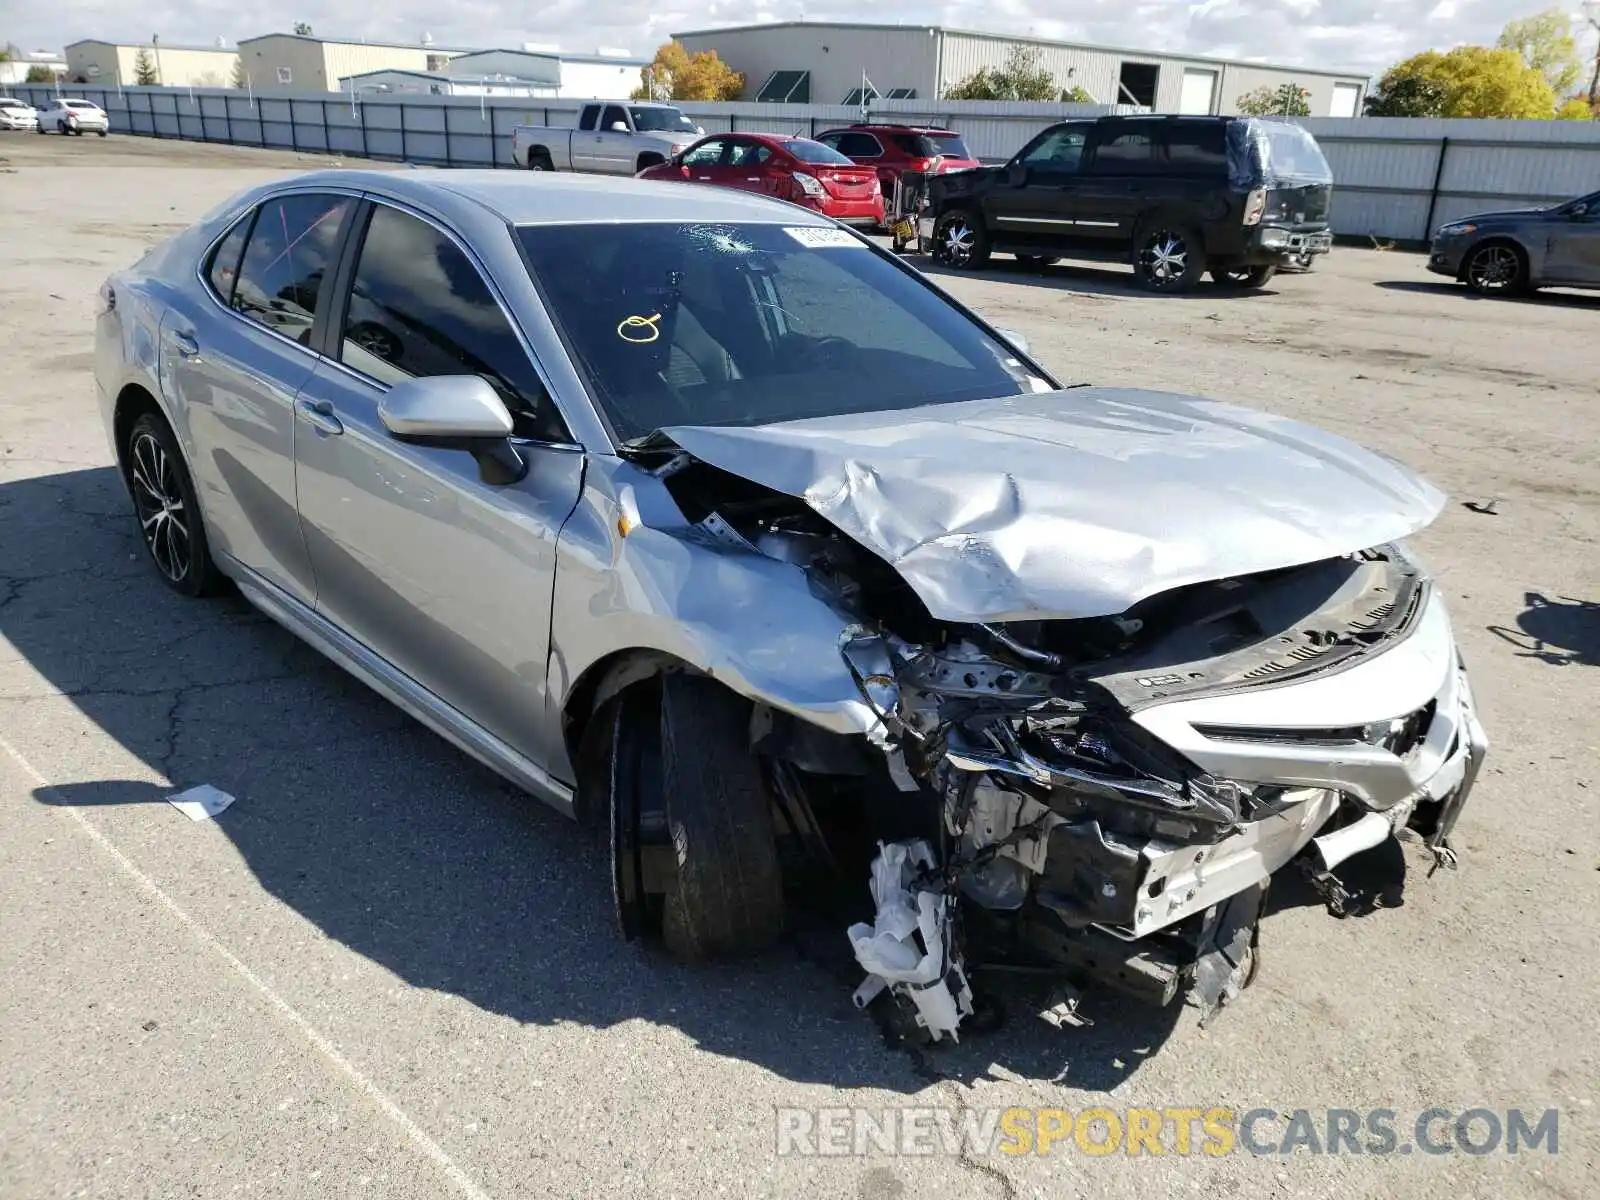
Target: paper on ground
{"points": [[200, 803]]}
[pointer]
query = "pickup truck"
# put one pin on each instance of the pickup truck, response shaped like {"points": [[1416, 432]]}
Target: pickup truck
{"points": [[613, 137]]}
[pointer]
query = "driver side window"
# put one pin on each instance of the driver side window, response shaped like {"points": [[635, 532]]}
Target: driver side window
{"points": [[1059, 153], [418, 307]]}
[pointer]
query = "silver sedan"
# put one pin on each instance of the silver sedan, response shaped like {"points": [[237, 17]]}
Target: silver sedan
{"points": [[733, 536]]}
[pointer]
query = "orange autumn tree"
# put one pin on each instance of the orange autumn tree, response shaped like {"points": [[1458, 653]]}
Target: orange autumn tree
{"points": [[675, 74]]}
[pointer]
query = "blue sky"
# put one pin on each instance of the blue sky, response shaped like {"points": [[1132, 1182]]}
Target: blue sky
{"points": [[1367, 35]]}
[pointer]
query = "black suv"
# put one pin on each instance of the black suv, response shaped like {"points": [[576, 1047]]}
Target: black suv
{"points": [[1240, 196]]}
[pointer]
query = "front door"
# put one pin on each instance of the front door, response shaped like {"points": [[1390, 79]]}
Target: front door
{"points": [[1033, 205], [1573, 253], [234, 364], [447, 577], [704, 164], [614, 148]]}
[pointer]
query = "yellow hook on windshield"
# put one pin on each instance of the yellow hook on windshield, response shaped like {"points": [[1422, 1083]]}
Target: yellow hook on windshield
{"points": [[641, 331]]}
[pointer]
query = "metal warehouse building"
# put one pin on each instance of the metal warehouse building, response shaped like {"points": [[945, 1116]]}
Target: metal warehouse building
{"points": [[805, 62]]}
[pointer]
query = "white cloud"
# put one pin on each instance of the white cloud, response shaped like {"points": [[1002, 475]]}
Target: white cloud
{"points": [[1368, 35]]}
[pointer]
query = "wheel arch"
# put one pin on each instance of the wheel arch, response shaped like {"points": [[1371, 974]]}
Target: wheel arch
{"points": [[647, 159], [133, 402]]}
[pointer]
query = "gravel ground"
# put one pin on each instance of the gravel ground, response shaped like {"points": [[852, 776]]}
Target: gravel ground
{"points": [[384, 973]]}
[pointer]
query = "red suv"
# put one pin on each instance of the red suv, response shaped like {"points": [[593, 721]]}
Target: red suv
{"points": [[788, 168], [895, 148]]}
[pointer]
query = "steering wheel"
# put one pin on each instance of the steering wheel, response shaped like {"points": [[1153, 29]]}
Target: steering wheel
{"points": [[829, 350]]}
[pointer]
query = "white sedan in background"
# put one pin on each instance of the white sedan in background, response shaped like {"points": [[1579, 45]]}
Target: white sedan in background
{"points": [[17, 114], [74, 116]]}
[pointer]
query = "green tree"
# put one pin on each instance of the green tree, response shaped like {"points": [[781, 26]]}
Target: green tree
{"points": [[1021, 78], [1469, 81], [238, 79], [1546, 44], [675, 74], [40, 74], [1076, 95], [1285, 100], [144, 71], [1576, 109], [301, 29]]}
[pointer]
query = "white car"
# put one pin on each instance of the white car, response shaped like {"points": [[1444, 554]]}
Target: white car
{"points": [[74, 116], [17, 114]]}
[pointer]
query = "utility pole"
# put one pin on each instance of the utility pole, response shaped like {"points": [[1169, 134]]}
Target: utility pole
{"points": [[155, 41]]}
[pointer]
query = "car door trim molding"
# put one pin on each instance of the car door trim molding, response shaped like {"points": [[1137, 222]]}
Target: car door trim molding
{"points": [[400, 689]]}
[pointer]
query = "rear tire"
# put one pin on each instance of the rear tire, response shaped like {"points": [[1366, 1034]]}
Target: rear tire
{"points": [[539, 160], [961, 241], [166, 509], [1168, 258], [727, 898]]}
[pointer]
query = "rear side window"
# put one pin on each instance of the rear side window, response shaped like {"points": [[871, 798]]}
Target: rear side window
{"points": [[1198, 149], [223, 269], [749, 154], [591, 114], [859, 145], [289, 253], [418, 308], [1130, 152]]}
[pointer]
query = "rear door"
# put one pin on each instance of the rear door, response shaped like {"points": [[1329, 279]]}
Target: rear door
{"points": [[752, 167], [1122, 182], [235, 362], [1036, 207]]}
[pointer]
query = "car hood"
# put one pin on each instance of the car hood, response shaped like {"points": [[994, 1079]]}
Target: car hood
{"points": [[1076, 503], [1504, 214]]}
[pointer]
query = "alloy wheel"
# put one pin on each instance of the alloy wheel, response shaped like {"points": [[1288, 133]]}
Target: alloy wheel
{"points": [[958, 242], [158, 501], [1494, 269], [1165, 257]]}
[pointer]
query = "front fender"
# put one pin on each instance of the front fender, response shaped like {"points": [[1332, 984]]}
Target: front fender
{"points": [[747, 620]]}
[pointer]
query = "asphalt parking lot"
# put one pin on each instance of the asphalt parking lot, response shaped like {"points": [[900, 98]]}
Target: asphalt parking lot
{"points": [[382, 972]]}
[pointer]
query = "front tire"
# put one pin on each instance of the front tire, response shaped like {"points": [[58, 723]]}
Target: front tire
{"points": [[727, 897], [1496, 269], [1168, 258], [961, 241], [164, 504]]}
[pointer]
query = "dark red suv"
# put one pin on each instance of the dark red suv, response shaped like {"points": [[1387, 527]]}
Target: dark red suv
{"points": [[895, 148]]}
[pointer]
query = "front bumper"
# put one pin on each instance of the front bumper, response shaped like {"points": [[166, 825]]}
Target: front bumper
{"points": [[1445, 255], [1274, 241]]}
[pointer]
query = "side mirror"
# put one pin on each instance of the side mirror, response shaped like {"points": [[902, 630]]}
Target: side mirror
{"points": [[456, 412], [1578, 210], [700, 130], [683, 170], [1017, 174], [620, 127], [1015, 340]]}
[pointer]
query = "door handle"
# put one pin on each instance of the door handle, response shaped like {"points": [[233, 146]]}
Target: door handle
{"points": [[186, 345], [319, 414]]}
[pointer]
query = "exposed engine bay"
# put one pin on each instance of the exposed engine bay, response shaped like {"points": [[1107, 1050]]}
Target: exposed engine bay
{"points": [[1026, 798]]}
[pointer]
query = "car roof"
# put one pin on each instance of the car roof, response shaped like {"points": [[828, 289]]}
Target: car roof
{"points": [[891, 127], [561, 198]]}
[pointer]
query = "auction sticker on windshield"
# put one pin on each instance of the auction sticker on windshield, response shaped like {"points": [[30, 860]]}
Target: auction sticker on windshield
{"points": [[820, 239]]}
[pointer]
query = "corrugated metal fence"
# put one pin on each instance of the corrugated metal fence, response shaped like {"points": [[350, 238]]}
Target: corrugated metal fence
{"points": [[1395, 179]]}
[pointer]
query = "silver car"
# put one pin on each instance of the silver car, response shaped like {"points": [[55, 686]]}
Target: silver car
{"points": [[724, 531]]}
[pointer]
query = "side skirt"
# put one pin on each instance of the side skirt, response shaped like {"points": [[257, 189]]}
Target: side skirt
{"points": [[400, 689]]}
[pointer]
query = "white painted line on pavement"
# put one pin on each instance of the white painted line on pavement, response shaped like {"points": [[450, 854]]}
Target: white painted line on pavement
{"points": [[319, 1043]]}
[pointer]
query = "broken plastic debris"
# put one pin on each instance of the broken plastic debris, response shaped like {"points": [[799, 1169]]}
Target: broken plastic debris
{"points": [[200, 803], [889, 949]]}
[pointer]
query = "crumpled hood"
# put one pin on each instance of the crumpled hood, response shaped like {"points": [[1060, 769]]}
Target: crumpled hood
{"points": [[1077, 503]]}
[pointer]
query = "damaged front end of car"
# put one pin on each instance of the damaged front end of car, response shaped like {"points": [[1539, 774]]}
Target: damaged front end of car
{"points": [[1090, 748]]}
